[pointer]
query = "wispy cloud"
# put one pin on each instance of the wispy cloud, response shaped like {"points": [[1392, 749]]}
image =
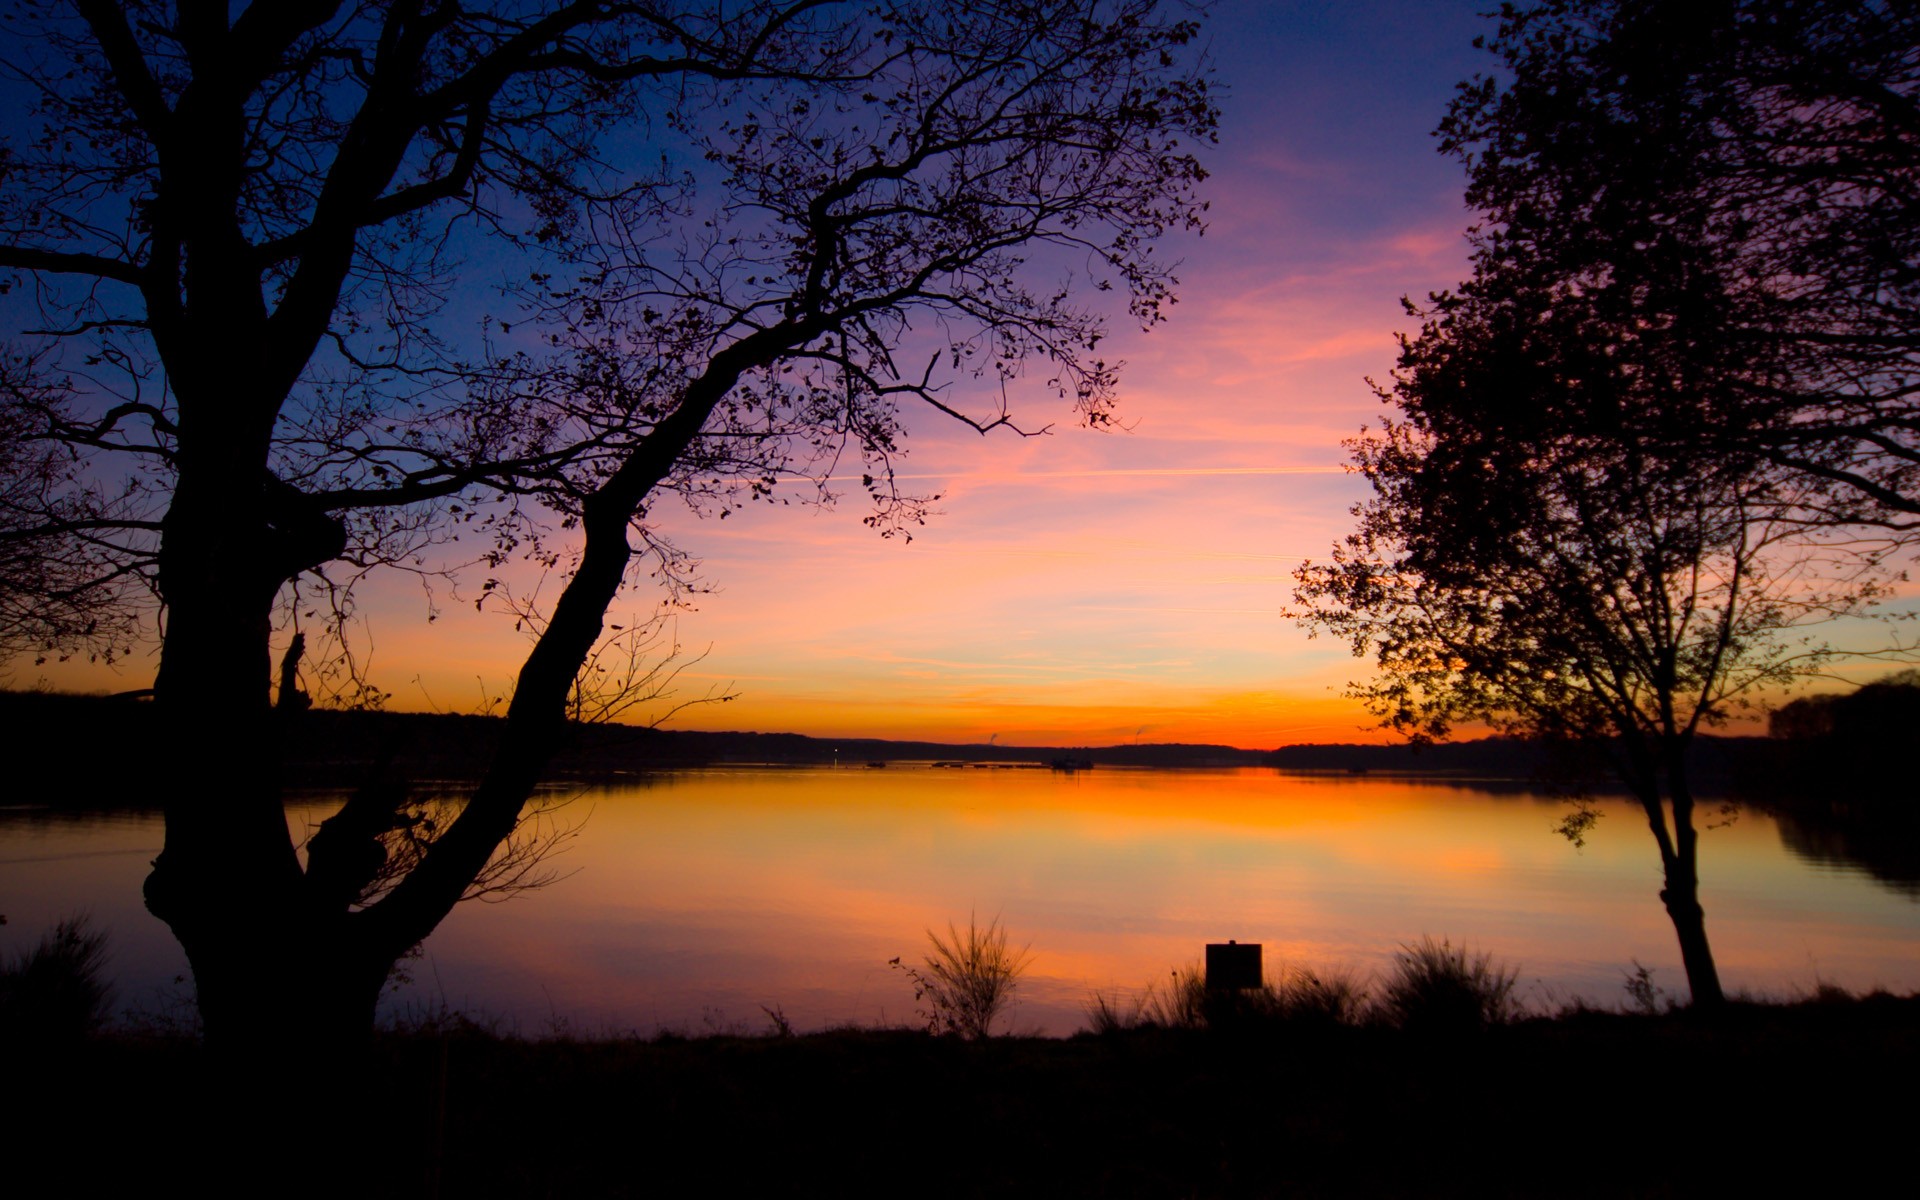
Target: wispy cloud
{"points": [[1139, 472]]}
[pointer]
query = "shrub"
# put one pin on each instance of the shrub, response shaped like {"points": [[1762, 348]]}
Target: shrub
{"points": [[968, 980], [57, 989], [1437, 987], [1642, 996]]}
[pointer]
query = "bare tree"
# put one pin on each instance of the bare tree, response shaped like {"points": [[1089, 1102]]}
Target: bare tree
{"points": [[749, 235]]}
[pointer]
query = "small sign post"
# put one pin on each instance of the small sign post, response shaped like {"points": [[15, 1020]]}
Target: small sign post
{"points": [[1233, 966]]}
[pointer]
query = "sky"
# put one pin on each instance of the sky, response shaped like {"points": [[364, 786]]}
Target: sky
{"points": [[1090, 588]]}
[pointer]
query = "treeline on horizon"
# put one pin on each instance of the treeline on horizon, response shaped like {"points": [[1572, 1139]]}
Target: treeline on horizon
{"points": [[1828, 755]]}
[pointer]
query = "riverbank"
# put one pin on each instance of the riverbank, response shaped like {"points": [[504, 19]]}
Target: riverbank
{"points": [[1765, 1099]]}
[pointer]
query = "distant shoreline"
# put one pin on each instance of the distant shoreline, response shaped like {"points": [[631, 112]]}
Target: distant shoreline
{"points": [[111, 736]]}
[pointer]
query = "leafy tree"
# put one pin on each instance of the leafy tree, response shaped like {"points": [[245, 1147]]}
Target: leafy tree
{"points": [[739, 230], [1842, 757], [1636, 447], [1872, 718], [1572, 584], [1736, 178]]}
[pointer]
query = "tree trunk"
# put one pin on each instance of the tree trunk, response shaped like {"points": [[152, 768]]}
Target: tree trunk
{"points": [[1682, 892], [308, 997], [1679, 859], [537, 718], [1682, 898], [228, 880], [288, 1036], [277, 954]]}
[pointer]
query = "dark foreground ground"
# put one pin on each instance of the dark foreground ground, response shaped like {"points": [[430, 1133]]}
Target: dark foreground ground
{"points": [[1814, 1098]]}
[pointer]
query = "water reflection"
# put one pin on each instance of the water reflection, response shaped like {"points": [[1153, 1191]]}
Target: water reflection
{"points": [[694, 900], [1887, 850]]}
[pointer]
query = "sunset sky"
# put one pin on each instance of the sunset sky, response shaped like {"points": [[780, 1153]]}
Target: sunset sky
{"points": [[1094, 588], [1091, 588]]}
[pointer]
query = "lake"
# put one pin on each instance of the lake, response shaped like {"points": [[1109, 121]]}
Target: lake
{"points": [[696, 900]]}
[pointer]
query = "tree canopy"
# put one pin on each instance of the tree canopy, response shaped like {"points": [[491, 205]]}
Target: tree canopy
{"points": [[1735, 180]]}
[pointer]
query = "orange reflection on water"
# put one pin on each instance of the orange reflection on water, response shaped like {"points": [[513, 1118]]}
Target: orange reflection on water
{"points": [[695, 900], [708, 895]]}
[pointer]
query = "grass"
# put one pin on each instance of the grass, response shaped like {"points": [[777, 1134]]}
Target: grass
{"points": [[1302, 997], [1115, 1012], [1643, 995], [1360, 1111], [1325, 997], [1183, 1002], [58, 990], [1437, 987], [1349, 1100], [1433, 987], [969, 979]]}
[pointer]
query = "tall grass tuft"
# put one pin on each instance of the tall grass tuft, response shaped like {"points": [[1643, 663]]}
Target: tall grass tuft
{"points": [[1331, 996], [1183, 1004], [57, 990], [1111, 1012], [1301, 997], [1642, 996], [969, 979], [1437, 987]]}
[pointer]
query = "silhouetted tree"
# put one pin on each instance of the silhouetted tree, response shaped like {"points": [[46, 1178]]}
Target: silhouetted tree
{"points": [[1803, 718], [1844, 755], [1636, 446], [1734, 179], [1882, 713], [1877, 714], [1571, 583], [746, 235]]}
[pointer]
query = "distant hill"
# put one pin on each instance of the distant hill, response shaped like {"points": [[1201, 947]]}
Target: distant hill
{"points": [[1490, 756], [95, 749], [1713, 761]]}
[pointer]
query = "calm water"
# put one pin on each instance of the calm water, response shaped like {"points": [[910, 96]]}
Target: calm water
{"points": [[693, 901]]}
